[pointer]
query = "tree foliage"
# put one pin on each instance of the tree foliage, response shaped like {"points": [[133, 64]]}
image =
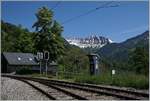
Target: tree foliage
{"points": [[24, 43], [74, 60], [15, 38], [48, 34], [139, 61]]}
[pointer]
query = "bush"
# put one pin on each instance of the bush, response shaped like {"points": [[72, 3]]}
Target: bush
{"points": [[24, 71]]}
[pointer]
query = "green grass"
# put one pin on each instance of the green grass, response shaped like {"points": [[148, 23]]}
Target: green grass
{"points": [[41, 75], [122, 79]]}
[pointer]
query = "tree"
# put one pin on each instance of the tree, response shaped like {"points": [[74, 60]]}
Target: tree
{"points": [[24, 43], [75, 59], [48, 34], [139, 61], [16, 39]]}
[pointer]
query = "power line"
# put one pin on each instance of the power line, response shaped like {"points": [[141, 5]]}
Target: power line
{"points": [[90, 11], [55, 6]]}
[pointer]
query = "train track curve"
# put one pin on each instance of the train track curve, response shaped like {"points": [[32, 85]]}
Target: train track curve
{"points": [[63, 85]]}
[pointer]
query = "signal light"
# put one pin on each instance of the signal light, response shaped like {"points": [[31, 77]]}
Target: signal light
{"points": [[39, 55], [46, 55]]}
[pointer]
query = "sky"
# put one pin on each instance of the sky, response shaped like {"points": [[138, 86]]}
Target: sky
{"points": [[118, 20]]}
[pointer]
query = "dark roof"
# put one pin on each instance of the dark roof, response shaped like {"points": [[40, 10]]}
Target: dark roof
{"points": [[20, 58]]}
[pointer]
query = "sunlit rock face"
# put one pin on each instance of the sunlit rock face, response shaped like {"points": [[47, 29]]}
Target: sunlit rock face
{"points": [[91, 41]]}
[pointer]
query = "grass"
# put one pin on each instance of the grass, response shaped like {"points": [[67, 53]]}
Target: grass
{"points": [[122, 79], [41, 75]]}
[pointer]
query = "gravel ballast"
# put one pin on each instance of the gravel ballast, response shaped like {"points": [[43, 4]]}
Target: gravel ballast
{"points": [[55, 93], [12, 89]]}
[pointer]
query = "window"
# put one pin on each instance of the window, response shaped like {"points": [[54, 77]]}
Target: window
{"points": [[19, 58], [30, 59]]}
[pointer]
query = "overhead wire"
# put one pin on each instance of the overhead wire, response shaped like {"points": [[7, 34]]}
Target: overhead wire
{"points": [[56, 5], [90, 11]]}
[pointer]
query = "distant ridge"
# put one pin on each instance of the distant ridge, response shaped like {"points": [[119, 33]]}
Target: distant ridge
{"points": [[120, 51], [92, 41]]}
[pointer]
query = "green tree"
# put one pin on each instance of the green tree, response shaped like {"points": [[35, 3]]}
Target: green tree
{"points": [[74, 60], [9, 34], [48, 34], [15, 38], [139, 61], [24, 43]]}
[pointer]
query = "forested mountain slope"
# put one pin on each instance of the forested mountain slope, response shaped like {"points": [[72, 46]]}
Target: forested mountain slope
{"points": [[120, 51]]}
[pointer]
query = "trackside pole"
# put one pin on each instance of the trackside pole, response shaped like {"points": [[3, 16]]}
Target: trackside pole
{"points": [[46, 68], [40, 58], [40, 67], [46, 57]]}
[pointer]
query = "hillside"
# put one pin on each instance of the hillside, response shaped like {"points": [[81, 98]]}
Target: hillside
{"points": [[15, 38], [120, 51]]}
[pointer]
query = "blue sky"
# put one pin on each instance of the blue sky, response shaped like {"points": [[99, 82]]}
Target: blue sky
{"points": [[129, 19]]}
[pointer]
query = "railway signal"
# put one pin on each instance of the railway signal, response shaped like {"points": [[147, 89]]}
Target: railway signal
{"points": [[40, 57], [46, 57]]}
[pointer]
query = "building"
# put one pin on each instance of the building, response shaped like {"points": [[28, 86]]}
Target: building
{"points": [[15, 61], [12, 61]]}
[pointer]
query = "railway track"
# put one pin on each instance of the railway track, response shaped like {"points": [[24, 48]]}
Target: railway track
{"points": [[51, 91], [37, 88], [90, 91], [61, 93]]}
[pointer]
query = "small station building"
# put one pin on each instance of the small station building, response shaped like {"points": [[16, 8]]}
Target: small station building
{"points": [[13, 61]]}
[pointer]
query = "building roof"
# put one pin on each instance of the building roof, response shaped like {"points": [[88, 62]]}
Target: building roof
{"points": [[20, 58]]}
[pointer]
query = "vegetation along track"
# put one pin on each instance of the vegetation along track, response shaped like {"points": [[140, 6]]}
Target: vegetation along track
{"points": [[109, 91]]}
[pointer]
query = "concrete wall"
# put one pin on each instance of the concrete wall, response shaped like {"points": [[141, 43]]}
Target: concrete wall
{"points": [[13, 68], [51, 68]]}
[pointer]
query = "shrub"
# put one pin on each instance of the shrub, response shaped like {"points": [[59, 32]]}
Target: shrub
{"points": [[24, 71]]}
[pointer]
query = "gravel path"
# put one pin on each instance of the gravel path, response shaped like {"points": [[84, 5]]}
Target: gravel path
{"points": [[17, 90]]}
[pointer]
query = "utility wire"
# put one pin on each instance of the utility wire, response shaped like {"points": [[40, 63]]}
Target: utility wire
{"points": [[55, 6], [90, 11]]}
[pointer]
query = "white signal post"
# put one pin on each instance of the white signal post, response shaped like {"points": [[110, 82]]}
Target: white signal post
{"points": [[40, 57], [113, 72]]}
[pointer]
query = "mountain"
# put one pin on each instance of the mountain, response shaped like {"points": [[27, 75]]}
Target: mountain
{"points": [[92, 41], [120, 51]]}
